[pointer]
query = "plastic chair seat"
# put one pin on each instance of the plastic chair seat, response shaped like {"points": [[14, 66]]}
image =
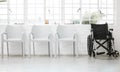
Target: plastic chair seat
{"points": [[39, 39], [12, 40], [66, 39]]}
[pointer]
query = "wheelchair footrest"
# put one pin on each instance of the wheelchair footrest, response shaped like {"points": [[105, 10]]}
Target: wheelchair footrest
{"points": [[100, 53]]}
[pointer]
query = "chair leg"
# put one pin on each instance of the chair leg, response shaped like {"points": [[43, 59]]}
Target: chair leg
{"points": [[8, 48], [55, 49], [33, 49], [58, 48], [2, 49], [49, 53], [29, 48], [23, 52], [74, 49]]}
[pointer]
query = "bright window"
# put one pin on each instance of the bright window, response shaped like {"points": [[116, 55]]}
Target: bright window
{"points": [[53, 11], [3, 13], [16, 11], [35, 12], [89, 11], [97, 11], [72, 13], [57, 11]]}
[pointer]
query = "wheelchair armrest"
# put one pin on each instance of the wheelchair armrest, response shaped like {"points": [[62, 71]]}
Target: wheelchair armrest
{"points": [[91, 30], [111, 29], [110, 35]]}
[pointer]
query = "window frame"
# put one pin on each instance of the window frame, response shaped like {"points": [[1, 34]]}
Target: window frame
{"points": [[61, 14]]}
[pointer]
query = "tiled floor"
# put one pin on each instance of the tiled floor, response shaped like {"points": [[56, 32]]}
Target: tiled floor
{"points": [[60, 64]]}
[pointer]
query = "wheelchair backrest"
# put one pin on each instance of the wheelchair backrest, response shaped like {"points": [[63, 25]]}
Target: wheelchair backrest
{"points": [[100, 31]]}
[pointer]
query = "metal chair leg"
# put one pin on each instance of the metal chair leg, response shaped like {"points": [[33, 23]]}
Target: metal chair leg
{"points": [[33, 49], [7, 48], [74, 48], [55, 49], [2, 49], [29, 48], [23, 52], [49, 53], [58, 48]]}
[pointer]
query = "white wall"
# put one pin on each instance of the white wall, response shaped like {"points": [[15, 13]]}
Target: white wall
{"points": [[66, 48], [117, 25]]}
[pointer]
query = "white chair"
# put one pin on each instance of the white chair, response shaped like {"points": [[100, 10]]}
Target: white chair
{"points": [[13, 33], [67, 33], [41, 33]]}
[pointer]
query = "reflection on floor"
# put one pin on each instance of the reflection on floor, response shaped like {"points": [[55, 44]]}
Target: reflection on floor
{"points": [[60, 64]]}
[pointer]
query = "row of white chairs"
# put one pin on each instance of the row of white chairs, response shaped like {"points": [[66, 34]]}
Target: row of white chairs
{"points": [[39, 33]]}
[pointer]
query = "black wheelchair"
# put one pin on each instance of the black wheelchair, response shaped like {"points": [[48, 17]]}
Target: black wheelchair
{"points": [[101, 36]]}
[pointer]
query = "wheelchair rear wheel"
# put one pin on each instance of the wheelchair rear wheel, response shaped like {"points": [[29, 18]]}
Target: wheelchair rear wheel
{"points": [[93, 54], [89, 45]]}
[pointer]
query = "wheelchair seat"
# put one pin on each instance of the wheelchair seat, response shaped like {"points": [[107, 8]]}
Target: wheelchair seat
{"points": [[101, 35]]}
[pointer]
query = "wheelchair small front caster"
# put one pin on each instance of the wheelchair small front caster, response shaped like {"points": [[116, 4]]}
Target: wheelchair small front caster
{"points": [[110, 55], [116, 54]]}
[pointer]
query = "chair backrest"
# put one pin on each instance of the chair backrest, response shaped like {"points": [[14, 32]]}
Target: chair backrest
{"points": [[66, 31], [100, 31], [41, 31], [14, 31]]}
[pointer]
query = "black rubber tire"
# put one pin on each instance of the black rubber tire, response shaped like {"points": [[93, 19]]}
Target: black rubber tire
{"points": [[89, 45], [93, 54]]}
